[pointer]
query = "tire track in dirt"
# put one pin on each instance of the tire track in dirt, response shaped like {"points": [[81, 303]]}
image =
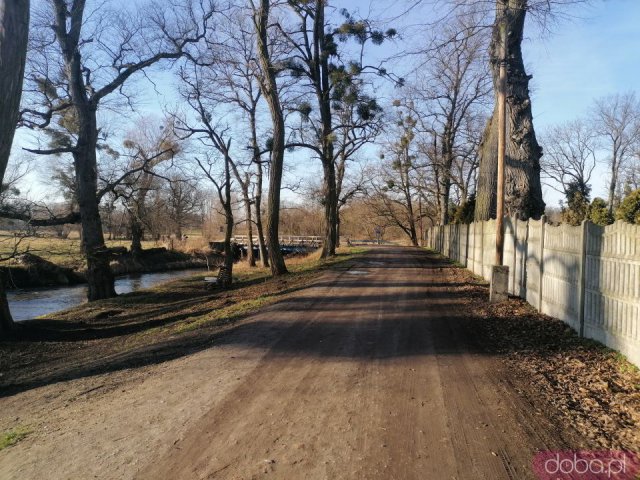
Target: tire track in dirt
{"points": [[371, 373]]}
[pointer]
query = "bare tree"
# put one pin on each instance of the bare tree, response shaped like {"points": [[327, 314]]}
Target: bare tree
{"points": [[570, 157], [222, 183], [92, 55], [395, 190], [242, 89], [455, 88], [198, 83], [229, 85], [467, 160], [336, 87], [269, 88], [14, 31], [146, 147], [617, 120], [182, 199], [632, 174]]}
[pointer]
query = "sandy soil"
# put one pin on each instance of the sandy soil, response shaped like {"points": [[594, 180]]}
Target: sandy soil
{"points": [[376, 371]]}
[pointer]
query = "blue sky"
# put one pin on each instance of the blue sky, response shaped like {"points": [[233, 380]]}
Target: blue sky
{"points": [[594, 53]]}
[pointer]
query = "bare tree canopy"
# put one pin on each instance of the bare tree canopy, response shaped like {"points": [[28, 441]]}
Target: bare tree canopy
{"points": [[90, 53], [570, 156], [617, 120]]}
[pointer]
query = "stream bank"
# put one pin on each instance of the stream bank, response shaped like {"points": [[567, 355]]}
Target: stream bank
{"points": [[32, 271]]}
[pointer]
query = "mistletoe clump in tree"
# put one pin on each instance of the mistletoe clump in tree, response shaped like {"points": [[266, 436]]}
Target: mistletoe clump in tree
{"points": [[338, 116]]}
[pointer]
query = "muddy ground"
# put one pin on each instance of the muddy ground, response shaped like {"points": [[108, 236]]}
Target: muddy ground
{"points": [[392, 365]]}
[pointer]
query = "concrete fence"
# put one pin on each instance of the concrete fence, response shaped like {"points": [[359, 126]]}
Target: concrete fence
{"points": [[587, 276]]}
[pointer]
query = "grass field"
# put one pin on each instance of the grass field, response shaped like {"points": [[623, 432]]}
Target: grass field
{"points": [[66, 252]]}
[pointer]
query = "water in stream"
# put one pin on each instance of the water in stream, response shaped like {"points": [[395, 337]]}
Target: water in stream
{"points": [[31, 303]]}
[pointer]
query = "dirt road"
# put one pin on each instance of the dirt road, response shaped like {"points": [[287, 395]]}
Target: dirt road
{"points": [[371, 373]]}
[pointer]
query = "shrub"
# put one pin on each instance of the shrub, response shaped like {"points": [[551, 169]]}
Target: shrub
{"points": [[629, 209], [599, 213]]}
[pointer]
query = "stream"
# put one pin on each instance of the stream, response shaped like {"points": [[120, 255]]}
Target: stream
{"points": [[30, 303]]}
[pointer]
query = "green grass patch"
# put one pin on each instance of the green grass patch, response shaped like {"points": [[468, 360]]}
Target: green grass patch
{"points": [[225, 315], [624, 365], [299, 272], [13, 436]]}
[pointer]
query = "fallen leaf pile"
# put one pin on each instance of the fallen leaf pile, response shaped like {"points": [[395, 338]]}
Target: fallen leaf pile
{"points": [[594, 388]]}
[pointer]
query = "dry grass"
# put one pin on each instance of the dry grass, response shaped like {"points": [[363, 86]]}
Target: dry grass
{"points": [[66, 252]]}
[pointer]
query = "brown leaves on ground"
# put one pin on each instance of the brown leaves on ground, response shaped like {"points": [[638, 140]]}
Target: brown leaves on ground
{"points": [[589, 386]]}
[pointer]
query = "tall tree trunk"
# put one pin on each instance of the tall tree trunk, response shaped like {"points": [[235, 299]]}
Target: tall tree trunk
{"points": [[445, 175], [406, 182], [443, 200], [330, 210], [177, 227], [323, 94], [246, 199], [251, 259], [413, 233], [523, 191], [613, 182], [137, 233], [227, 278], [341, 166], [14, 31], [262, 246], [99, 275], [264, 256], [138, 213], [270, 91]]}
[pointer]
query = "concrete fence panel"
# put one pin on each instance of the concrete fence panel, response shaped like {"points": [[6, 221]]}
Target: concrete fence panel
{"points": [[520, 270], [445, 241], [464, 244], [612, 287], [475, 247], [533, 263], [489, 250], [509, 251], [562, 256], [587, 276]]}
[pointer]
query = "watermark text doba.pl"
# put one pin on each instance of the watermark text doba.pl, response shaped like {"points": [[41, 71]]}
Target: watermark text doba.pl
{"points": [[586, 465]]}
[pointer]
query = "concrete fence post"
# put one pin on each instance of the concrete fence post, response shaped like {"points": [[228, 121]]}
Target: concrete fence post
{"points": [[584, 232], [523, 271], [543, 222], [514, 231], [482, 248], [466, 246]]}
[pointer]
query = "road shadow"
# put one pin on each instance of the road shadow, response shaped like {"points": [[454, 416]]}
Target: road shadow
{"points": [[427, 318]]}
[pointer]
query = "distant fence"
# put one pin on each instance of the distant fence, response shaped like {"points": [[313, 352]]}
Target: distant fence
{"points": [[587, 276], [297, 240]]}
